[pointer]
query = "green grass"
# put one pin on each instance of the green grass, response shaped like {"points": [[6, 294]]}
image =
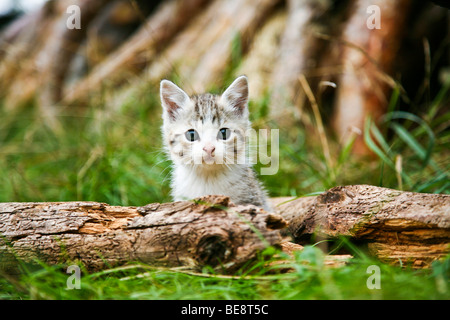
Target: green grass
{"points": [[98, 156], [116, 157], [310, 279]]}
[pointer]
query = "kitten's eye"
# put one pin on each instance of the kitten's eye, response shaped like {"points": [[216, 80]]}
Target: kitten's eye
{"points": [[224, 134], [191, 135]]}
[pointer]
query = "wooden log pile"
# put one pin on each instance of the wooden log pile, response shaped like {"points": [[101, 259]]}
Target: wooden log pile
{"points": [[124, 48], [398, 227]]}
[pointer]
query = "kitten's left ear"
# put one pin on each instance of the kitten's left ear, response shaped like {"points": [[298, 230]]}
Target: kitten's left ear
{"points": [[172, 98], [236, 95]]}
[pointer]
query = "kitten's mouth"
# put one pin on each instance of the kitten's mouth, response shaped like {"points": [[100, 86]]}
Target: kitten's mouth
{"points": [[209, 159]]}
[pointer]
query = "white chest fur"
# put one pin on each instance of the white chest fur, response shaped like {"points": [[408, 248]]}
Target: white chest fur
{"points": [[189, 182]]}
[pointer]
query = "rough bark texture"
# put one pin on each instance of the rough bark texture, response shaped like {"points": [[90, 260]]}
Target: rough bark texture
{"points": [[187, 233], [407, 226], [397, 226]]}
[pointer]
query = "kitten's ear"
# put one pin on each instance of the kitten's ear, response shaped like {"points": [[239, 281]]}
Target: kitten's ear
{"points": [[172, 98], [236, 95]]}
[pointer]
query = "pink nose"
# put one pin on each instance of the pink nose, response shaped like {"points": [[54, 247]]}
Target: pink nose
{"points": [[209, 149]]}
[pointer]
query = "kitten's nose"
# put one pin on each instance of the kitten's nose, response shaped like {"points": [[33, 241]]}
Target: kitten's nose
{"points": [[209, 149]]}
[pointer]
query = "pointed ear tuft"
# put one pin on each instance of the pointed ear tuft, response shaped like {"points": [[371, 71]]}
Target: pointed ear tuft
{"points": [[172, 98], [236, 95]]}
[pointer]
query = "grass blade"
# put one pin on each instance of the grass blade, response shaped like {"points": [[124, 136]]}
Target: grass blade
{"points": [[410, 139]]}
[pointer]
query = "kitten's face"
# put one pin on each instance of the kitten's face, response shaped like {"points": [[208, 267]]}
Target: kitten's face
{"points": [[206, 129]]}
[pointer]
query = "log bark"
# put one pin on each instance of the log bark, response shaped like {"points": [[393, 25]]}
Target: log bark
{"points": [[367, 55], [136, 53], [398, 227], [207, 231], [248, 17], [20, 45], [202, 52], [297, 47], [60, 50], [258, 63]]}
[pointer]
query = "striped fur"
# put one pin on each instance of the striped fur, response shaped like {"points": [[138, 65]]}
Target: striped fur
{"points": [[225, 171]]}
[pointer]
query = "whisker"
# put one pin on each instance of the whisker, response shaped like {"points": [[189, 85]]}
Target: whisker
{"points": [[166, 176], [162, 172]]}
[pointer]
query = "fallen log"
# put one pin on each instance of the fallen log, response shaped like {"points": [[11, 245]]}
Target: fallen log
{"points": [[207, 231], [398, 227]]}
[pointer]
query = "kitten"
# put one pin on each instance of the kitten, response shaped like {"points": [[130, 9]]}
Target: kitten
{"points": [[205, 137]]}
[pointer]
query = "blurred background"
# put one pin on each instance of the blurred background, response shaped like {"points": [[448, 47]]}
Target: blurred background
{"points": [[359, 90]]}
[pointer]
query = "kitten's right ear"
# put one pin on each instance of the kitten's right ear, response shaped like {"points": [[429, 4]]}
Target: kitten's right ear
{"points": [[172, 98], [236, 96]]}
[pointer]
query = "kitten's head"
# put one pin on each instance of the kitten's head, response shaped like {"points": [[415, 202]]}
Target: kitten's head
{"points": [[205, 129]]}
